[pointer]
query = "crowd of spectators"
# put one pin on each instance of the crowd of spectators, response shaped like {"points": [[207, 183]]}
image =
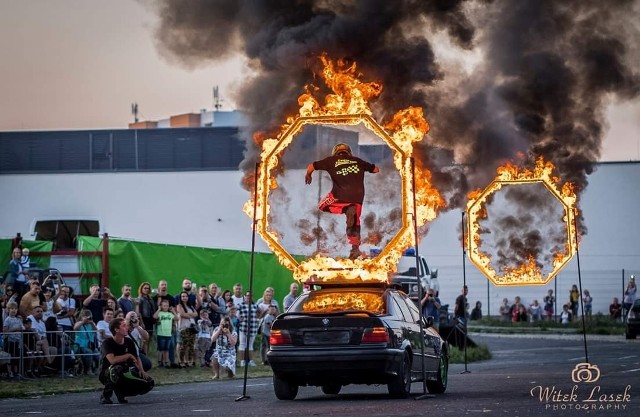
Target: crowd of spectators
{"points": [[47, 330]]}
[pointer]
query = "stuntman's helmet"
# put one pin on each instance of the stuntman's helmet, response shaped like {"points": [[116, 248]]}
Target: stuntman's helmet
{"points": [[341, 148]]}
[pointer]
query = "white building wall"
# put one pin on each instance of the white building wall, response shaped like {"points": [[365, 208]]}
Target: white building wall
{"points": [[205, 209]]}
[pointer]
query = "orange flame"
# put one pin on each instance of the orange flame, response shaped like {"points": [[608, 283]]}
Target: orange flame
{"points": [[344, 301], [528, 273], [349, 105]]}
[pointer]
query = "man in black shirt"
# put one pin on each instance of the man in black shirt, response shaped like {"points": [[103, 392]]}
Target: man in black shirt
{"points": [[347, 192], [119, 349]]}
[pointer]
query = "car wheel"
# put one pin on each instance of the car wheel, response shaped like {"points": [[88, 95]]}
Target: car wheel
{"points": [[284, 390], [440, 384], [400, 387], [332, 389]]}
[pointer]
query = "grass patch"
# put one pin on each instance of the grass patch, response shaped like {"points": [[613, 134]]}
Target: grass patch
{"points": [[474, 354], [598, 324]]}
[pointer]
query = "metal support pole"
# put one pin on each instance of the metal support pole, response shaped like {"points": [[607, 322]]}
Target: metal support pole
{"points": [[464, 284], [244, 395], [422, 332]]}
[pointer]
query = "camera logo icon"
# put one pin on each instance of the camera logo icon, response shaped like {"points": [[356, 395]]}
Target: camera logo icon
{"points": [[585, 372]]}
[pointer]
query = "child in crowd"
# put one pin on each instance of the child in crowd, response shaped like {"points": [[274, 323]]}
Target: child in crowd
{"points": [[12, 327], [267, 320], [165, 328], [203, 342], [233, 315]]}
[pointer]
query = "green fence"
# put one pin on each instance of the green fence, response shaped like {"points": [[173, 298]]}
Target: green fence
{"points": [[136, 262]]}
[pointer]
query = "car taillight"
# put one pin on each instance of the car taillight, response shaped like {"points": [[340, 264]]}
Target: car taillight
{"points": [[279, 337], [375, 335]]}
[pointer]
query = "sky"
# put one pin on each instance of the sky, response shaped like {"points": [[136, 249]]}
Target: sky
{"points": [[80, 64]]}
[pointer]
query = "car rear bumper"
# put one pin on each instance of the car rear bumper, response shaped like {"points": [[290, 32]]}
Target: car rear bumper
{"points": [[323, 366], [633, 326]]}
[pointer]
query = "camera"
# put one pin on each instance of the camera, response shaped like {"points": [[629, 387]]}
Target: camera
{"points": [[134, 321], [225, 326]]}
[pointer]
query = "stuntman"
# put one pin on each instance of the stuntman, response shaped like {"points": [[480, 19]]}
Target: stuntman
{"points": [[347, 193]]}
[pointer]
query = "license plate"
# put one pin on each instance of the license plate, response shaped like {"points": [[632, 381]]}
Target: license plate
{"points": [[327, 338]]}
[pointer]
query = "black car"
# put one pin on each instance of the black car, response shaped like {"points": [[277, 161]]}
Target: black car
{"points": [[632, 328], [341, 335]]}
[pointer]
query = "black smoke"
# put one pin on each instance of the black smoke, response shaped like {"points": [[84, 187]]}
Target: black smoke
{"points": [[542, 75]]}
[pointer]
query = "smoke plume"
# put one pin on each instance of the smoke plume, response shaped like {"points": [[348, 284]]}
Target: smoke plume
{"points": [[498, 79]]}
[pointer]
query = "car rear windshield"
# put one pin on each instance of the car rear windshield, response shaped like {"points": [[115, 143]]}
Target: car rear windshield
{"points": [[328, 301]]}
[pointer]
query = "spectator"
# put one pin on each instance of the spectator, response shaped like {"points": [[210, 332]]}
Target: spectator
{"points": [[476, 313], [187, 287], [587, 301], [615, 309], [65, 308], [461, 305], [145, 307], [224, 355], [165, 329], [125, 302], [514, 307], [103, 325], [163, 295], [214, 290], [549, 303], [629, 295], [210, 302], [234, 316], [535, 311], [266, 301], [187, 314], [61, 343], [49, 302], [565, 316], [267, 321], [16, 276], [119, 314], [237, 296], [203, 342], [32, 351], [25, 259], [87, 342], [521, 314], [574, 298], [505, 310], [291, 297], [30, 299], [112, 303], [95, 301], [140, 337], [431, 307], [41, 329], [226, 302], [247, 329], [11, 327]]}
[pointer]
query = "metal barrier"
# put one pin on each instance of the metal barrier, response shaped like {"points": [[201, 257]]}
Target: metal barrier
{"points": [[23, 351]]}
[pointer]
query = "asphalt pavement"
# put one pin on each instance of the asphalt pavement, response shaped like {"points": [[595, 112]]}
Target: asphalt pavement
{"points": [[529, 375]]}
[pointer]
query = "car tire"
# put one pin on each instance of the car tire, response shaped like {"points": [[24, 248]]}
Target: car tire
{"points": [[439, 386], [400, 386], [333, 389], [284, 390]]}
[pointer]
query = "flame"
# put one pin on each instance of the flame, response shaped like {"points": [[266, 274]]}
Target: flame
{"points": [[528, 272], [348, 105], [324, 303]]}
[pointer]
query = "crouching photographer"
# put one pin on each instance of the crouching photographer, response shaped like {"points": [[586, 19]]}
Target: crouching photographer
{"points": [[122, 372]]}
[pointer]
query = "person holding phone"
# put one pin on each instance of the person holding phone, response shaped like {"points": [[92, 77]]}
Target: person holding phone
{"points": [[224, 355]]}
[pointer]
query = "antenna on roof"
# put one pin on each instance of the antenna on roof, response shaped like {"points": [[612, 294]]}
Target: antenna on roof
{"points": [[134, 112], [217, 103]]}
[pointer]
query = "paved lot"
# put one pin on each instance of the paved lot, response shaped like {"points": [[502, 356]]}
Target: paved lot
{"points": [[523, 369]]}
